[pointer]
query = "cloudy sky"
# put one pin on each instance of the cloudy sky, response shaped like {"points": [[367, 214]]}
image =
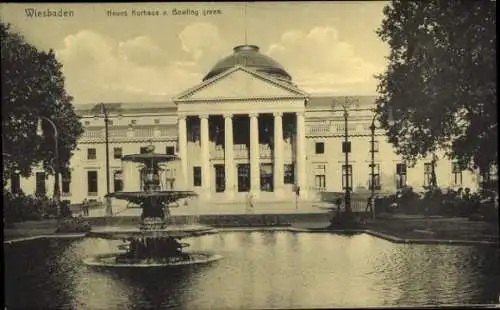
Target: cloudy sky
{"points": [[328, 48]]}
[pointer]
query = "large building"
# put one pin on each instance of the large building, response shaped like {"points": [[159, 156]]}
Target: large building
{"points": [[245, 128]]}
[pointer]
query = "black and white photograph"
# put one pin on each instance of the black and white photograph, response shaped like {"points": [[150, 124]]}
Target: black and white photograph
{"points": [[250, 155]]}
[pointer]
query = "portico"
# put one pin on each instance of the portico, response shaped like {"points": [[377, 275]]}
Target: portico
{"points": [[238, 133], [245, 160]]}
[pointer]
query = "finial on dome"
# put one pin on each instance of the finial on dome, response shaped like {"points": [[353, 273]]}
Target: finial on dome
{"points": [[246, 47]]}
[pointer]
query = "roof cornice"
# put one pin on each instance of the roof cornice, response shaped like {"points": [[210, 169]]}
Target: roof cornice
{"points": [[262, 76]]}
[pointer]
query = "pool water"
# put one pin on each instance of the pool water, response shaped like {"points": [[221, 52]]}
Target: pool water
{"points": [[259, 270]]}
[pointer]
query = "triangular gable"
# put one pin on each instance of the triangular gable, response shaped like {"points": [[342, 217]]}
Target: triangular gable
{"points": [[240, 82]]}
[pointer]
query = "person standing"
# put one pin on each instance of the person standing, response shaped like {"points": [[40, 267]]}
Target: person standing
{"points": [[85, 207]]}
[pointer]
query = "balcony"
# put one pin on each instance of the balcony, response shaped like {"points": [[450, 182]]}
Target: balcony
{"points": [[240, 151], [92, 134], [265, 151]]}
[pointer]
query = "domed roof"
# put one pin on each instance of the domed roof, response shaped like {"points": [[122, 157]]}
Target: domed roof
{"points": [[249, 56]]}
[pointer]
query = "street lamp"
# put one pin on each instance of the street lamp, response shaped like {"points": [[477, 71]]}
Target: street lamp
{"points": [[372, 165], [346, 149], [104, 111], [39, 131]]}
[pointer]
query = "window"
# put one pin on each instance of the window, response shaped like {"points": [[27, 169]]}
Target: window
{"points": [[289, 175], [243, 177], [346, 176], [196, 176], [92, 183], [40, 184], [143, 149], [170, 173], [15, 183], [117, 152], [400, 176], [320, 182], [488, 174], [91, 154], [427, 174], [266, 177], [320, 177], [66, 181], [346, 146], [170, 179], [170, 150], [375, 146], [457, 173], [376, 176], [220, 178], [157, 121], [320, 148], [118, 180]]}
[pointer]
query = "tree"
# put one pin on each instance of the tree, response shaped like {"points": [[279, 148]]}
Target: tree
{"points": [[33, 86], [440, 83]]}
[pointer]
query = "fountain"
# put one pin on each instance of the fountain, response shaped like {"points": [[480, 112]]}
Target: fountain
{"points": [[156, 242]]}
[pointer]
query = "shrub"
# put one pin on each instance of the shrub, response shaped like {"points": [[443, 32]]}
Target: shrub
{"points": [[65, 210], [408, 201], [436, 202], [73, 225], [18, 208]]}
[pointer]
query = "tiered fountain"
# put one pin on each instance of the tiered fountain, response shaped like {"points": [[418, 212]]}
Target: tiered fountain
{"points": [[156, 242]]}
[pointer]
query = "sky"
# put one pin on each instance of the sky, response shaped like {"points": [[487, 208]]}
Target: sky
{"points": [[327, 47]]}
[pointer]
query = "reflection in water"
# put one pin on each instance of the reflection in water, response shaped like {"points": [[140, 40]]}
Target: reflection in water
{"points": [[259, 270]]}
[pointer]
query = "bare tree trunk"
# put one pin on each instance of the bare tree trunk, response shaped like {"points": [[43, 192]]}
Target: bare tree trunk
{"points": [[433, 172]]}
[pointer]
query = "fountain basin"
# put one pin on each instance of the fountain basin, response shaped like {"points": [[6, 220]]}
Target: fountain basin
{"points": [[173, 231], [152, 158], [108, 260], [157, 196]]}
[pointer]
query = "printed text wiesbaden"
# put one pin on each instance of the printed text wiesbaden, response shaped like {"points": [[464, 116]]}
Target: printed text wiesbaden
{"points": [[31, 12]]}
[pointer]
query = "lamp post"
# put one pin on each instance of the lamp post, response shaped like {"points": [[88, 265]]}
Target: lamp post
{"points": [[372, 165], [104, 111], [346, 148], [57, 191]]}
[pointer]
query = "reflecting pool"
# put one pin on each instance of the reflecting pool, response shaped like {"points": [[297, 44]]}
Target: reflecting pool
{"points": [[259, 270]]}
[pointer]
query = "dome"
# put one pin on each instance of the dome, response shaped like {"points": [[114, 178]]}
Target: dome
{"points": [[249, 56]]}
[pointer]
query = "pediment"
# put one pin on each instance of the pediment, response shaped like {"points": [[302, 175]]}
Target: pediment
{"points": [[240, 83]]}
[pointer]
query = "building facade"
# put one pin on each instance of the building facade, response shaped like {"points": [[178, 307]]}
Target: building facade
{"points": [[246, 128]]}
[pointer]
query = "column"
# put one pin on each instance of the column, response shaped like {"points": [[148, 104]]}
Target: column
{"points": [[278, 154], [182, 150], [301, 155], [205, 156], [228, 155], [254, 154]]}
